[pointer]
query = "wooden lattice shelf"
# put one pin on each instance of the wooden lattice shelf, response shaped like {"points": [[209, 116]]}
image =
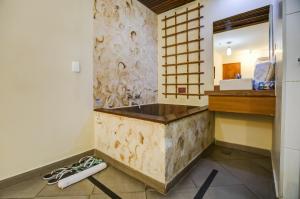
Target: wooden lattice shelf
{"points": [[188, 78]]}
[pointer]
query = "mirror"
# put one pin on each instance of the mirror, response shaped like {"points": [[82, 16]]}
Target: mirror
{"points": [[242, 49]]}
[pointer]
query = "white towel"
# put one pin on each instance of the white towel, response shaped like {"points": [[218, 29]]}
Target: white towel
{"points": [[264, 71]]}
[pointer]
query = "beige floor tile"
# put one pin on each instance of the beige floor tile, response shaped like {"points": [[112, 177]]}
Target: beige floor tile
{"points": [[100, 196], [255, 177], [134, 195], [229, 192], [205, 167], [82, 188], [25, 189], [173, 194], [118, 182], [64, 197], [186, 183], [240, 176]]}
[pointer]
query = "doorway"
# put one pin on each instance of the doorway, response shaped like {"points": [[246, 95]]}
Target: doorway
{"points": [[231, 70]]}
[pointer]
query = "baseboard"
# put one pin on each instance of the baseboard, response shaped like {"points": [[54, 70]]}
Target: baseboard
{"points": [[274, 178], [263, 152], [158, 186], [42, 170]]}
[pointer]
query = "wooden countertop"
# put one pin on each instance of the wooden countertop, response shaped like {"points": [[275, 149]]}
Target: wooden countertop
{"points": [[261, 102], [249, 93]]}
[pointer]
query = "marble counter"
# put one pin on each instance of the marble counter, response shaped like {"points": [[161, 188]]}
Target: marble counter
{"points": [[161, 113]]}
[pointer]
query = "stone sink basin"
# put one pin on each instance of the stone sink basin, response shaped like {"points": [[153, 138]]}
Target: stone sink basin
{"points": [[236, 84]]}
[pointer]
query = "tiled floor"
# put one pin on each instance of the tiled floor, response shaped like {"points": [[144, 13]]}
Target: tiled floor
{"points": [[240, 175]]}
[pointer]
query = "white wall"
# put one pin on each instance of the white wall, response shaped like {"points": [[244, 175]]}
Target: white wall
{"points": [[213, 10], [219, 9], [290, 136], [248, 130], [218, 64], [233, 124], [229, 131], [279, 71], [247, 59], [247, 44], [46, 110]]}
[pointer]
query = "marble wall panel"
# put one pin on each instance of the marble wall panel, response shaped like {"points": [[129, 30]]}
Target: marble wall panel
{"points": [[136, 143], [185, 140], [125, 53]]}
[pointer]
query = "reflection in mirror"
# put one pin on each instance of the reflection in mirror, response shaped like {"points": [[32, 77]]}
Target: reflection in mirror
{"points": [[236, 52], [242, 53]]}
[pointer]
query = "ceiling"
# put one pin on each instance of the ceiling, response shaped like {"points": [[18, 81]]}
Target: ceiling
{"points": [[160, 6], [254, 37], [252, 17]]}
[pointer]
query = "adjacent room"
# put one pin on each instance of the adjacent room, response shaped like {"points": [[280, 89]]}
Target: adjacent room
{"points": [[149, 99]]}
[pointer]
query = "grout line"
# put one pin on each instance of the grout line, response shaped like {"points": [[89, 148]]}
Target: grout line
{"points": [[41, 190], [292, 13], [292, 81], [145, 194], [291, 148], [260, 166], [243, 183], [257, 196], [229, 172]]}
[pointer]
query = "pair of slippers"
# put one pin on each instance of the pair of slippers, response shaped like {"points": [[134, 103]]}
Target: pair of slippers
{"points": [[84, 163]]}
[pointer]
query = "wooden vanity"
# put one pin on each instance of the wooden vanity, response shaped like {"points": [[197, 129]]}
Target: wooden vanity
{"points": [[249, 102]]}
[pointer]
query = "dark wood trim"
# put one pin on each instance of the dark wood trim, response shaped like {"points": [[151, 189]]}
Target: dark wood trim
{"points": [[175, 44], [166, 59], [176, 57], [185, 94], [199, 55], [43, 170], [183, 13], [183, 53], [182, 23], [183, 43], [161, 6], [183, 31], [184, 84], [263, 152], [195, 73], [184, 63], [187, 53], [252, 17]]}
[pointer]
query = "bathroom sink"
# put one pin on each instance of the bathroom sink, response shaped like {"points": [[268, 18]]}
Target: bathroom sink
{"points": [[236, 84]]}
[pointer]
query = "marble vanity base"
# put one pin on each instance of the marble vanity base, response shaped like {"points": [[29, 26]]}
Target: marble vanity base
{"points": [[154, 153]]}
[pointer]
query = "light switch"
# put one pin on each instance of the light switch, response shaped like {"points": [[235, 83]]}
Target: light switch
{"points": [[75, 67]]}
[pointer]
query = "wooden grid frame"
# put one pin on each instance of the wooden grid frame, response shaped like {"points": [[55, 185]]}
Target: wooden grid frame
{"points": [[186, 52]]}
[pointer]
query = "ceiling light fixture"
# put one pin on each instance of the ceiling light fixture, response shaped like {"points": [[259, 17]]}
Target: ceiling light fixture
{"points": [[229, 50]]}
